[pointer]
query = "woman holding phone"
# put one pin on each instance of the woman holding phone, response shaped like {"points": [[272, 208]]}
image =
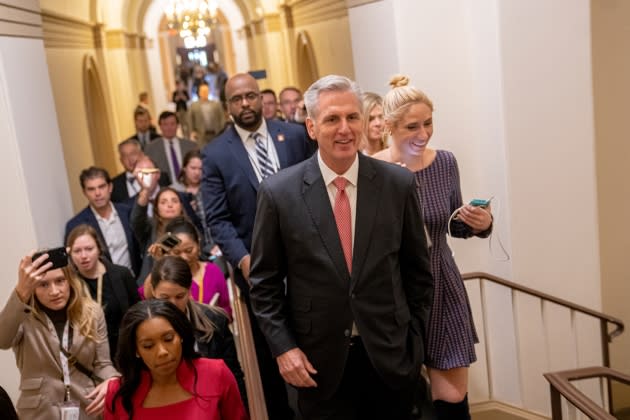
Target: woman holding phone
{"points": [[208, 285], [48, 321], [451, 333]]}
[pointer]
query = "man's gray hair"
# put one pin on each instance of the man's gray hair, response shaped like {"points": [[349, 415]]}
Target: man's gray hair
{"points": [[330, 83]]}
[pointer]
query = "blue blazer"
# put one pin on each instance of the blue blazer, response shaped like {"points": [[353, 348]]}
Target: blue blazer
{"points": [[230, 186], [124, 212]]}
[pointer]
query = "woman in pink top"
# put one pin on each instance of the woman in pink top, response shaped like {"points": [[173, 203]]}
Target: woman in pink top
{"points": [[162, 376], [209, 285]]}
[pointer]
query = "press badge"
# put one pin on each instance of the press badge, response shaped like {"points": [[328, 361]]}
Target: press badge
{"points": [[69, 410]]}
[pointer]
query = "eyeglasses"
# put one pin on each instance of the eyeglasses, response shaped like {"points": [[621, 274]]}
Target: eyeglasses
{"points": [[238, 99]]}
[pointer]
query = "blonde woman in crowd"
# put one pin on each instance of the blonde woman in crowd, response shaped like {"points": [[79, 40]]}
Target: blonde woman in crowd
{"points": [[373, 124], [59, 338], [451, 334]]}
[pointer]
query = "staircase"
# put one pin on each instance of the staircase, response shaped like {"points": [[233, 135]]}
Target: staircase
{"points": [[523, 334]]}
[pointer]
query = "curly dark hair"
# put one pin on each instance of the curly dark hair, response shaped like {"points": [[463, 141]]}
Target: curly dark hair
{"points": [[129, 365]]}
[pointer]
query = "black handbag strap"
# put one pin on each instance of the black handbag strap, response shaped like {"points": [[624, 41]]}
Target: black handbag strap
{"points": [[74, 362]]}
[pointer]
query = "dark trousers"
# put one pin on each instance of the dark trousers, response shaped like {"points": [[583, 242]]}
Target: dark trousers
{"points": [[362, 394], [274, 387]]}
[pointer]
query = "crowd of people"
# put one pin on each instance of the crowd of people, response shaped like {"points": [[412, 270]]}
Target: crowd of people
{"points": [[331, 212]]}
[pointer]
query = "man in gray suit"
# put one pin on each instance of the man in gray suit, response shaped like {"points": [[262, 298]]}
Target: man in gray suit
{"points": [[345, 232], [168, 151]]}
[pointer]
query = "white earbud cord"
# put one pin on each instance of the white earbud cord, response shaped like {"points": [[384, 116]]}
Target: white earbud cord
{"points": [[495, 217]]}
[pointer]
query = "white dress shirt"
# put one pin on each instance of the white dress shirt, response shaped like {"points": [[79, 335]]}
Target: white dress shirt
{"points": [[132, 184], [178, 152], [115, 237], [351, 175], [250, 147]]}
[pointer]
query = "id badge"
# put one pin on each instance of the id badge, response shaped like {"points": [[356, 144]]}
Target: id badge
{"points": [[69, 410]]}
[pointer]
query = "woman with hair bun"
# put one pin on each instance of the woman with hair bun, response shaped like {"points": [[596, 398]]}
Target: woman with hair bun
{"points": [[451, 334]]}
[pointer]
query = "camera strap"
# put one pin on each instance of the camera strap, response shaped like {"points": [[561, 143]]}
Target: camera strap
{"points": [[68, 360]]}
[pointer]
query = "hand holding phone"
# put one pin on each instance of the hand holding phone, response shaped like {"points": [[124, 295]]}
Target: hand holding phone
{"points": [[57, 256], [479, 202], [148, 177], [169, 241], [33, 268]]}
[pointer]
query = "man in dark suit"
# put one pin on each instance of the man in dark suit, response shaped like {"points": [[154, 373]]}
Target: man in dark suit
{"points": [[234, 164], [125, 184], [168, 151], [341, 282], [145, 132], [110, 220]]}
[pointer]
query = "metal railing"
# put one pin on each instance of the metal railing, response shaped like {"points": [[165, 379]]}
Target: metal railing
{"points": [[560, 385], [606, 336]]}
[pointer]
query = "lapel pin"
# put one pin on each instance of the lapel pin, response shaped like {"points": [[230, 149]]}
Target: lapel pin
{"points": [[280, 137]]}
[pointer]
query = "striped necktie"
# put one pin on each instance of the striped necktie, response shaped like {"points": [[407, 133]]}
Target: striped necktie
{"points": [[262, 155]]}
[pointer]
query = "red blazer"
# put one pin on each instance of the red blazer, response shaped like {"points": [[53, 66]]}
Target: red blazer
{"points": [[214, 396]]}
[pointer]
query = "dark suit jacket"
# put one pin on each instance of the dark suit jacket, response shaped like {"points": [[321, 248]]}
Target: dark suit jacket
{"points": [[229, 184], [155, 150], [124, 212], [120, 194], [126, 294], [388, 295]]}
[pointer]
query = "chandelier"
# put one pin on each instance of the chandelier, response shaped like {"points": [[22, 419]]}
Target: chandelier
{"points": [[192, 19]]}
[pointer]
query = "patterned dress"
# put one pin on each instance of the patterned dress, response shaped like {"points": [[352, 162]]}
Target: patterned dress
{"points": [[451, 332]]}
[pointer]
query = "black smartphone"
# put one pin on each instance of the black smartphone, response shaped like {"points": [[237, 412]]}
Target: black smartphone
{"points": [[57, 256], [169, 241]]}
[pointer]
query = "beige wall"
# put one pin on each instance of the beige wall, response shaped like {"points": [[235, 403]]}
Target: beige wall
{"points": [[611, 88], [123, 73], [66, 77], [79, 9], [332, 46]]}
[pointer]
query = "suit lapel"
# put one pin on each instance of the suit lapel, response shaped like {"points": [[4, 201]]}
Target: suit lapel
{"points": [[279, 142], [123, 216], [119, 292], [368, 193], [318, 204], [242, 157]]}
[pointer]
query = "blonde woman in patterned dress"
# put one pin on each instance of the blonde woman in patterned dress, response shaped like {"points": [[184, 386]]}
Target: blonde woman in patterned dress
{"points": [[451, 333]]}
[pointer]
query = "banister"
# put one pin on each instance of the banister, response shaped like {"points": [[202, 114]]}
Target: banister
{"points": [[619, 326], [560, 383]]}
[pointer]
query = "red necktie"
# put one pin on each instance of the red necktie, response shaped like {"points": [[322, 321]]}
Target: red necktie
{"points": [[343, 219]]}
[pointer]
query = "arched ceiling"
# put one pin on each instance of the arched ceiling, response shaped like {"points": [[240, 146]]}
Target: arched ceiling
{"points": [[134, 15], [151, 12]]}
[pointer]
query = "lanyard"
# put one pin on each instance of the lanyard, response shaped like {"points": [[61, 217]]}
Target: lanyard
{"points": [[99, 290], [65, 366]]}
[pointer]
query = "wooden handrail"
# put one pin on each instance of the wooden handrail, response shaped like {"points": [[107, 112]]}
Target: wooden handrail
{"points": [[619, 326], [560, 384], [245, 348]]}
